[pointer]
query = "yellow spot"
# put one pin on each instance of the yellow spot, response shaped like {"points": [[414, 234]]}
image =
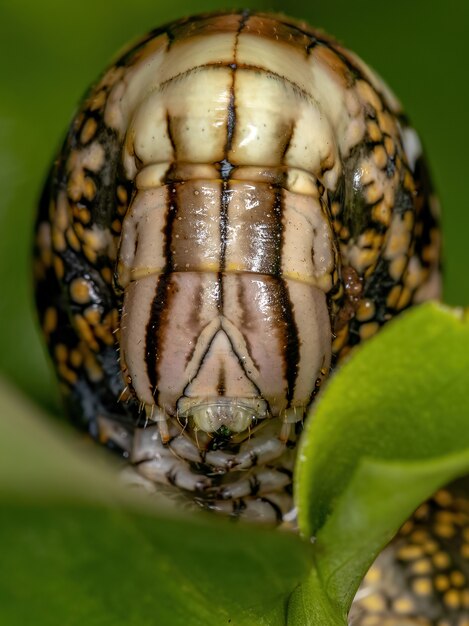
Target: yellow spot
{"points": [[430, 547], [444, 530], [381, 212], [451, 599], [379, 153], [82, 214], [50, 320], [409, 552], [423, 566], [422, 511], [403, 605], [374, 602], [93, 315], [76, 358], [116, 226], [404, 298], [67, 374], [393, 296], [106, 273], [85, 332], [422, 586], [420, 536], [122, 194], [389, 145], [340, 340], [441, 560], [465, 550], [80, 231], [90, 253], [88, 130], [368, 330], [61, 352], [373, 575], [93, 368], [366, 311], [373, 193], [368, 94], [98, 100], [397, 266], [89, 188], [72, 239], [457, 578], [442, 582], [58, 240], [80, 291], [407, 527]]}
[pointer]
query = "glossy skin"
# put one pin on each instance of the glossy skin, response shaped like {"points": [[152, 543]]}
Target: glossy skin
{"points": [[238, 202]]}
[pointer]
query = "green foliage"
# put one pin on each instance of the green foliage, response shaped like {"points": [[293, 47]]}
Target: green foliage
{"points": [[390, 428]]}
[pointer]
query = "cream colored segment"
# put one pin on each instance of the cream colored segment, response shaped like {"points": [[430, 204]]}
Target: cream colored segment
{"points": [[142, 240], [188, 331], [333, 99], [219, 361], [307, 253], [251, 304], [265, 110], [314, 331], [313, 143], [152, 176], [145, 77], [196, 107], [275, 56], [138, 300], [276, 125], [199, 50]]}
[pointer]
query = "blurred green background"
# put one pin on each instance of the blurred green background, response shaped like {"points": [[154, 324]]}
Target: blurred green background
{"points": [[50, 52]]}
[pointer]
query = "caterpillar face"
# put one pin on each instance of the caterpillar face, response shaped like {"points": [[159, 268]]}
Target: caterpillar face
{"points": [[238, 202]]}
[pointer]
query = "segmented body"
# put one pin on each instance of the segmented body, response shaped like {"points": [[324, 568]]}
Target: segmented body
{"points": [[238, 202]]}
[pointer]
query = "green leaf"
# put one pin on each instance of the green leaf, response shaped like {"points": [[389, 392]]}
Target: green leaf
{"points": [[310, 605], [77, 548], [391, 427]]}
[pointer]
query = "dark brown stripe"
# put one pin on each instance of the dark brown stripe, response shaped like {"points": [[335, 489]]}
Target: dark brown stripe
{"points": [[169, 130], [221, 385], [153, 333], [160, 308], [239, 66], [291, 340], [224, 203]]}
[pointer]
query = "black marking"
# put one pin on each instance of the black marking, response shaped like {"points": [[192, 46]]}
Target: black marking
{"points": [[169, 130], [239, 506], [279, 234], [275, 507], [291, 341], [297, 89], [224, 203], [231, 117], [152, 334], [254, 485]]}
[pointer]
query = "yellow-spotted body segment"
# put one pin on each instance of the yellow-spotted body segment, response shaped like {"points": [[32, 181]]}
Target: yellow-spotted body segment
{"points": [[238, 202]]}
